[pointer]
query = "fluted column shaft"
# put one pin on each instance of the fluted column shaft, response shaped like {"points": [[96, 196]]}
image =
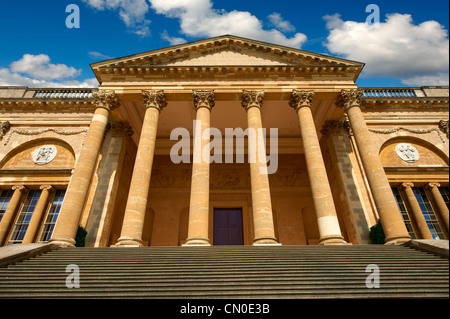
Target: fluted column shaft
{"points": [[69, 217], [391, 219], [329, 230], [198, 229], [264, 230], [133, 223], [416, 211], [439, 201], [10, 213], [38, 214]]}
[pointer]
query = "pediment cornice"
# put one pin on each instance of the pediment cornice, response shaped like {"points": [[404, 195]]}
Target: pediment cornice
{"points": [[209, 55]]}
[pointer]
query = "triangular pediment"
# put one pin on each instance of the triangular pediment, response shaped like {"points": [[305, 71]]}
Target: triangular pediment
{"points": [[226, 50]]}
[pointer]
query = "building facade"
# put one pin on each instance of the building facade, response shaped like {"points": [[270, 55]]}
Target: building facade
{"points": [[167, 153]]}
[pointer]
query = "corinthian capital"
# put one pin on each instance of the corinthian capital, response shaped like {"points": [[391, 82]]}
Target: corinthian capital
{"points": [[154, 99], [252, 98], [106, 99], [349, 98], [301, 99], [204, 99]]}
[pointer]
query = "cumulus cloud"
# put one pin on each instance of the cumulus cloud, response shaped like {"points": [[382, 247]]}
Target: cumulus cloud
{"points": [[172, 40], [132, 12], [39, 66], [37, 71], [416, 54], [198, 18], [277, 20]]}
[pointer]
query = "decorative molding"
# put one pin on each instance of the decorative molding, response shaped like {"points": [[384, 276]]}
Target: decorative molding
{"points": [[431, 185], [4, 128], [44, 155], [350, 98], [333, 127], [204, 99], [444, 126], [106, 99], [252, 98], [154, 99], [301, 99], [47, 187], [406, 185], [38, 132], [410, 130], [20, 188], [407, 152], [121, 129]]}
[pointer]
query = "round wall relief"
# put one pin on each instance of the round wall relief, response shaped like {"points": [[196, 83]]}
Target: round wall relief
{"points": [[44, 155], [407, 152]]}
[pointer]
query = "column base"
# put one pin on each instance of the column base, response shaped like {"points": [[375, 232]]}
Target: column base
{"points": [[397, 241], [63, 242], [128, 242], [266, 242], [197, 242], [333, 240]]}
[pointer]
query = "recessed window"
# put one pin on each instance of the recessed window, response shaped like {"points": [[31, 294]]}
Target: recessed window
{"points": [[24, 217], [52, 215], [404, 212], [5, 198], [428, 213], [445, 194]]}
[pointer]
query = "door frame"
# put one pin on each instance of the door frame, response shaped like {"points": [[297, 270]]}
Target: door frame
{"points": [[241, 203], [229, 209]]}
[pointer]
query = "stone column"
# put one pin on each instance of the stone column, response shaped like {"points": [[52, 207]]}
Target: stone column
{"points": [[416, 211], [11, 212], [69, 217], [391, 219], [261, 201], [38, 214], [439, 201], [330, 232], [198, 228], [133, 223]]}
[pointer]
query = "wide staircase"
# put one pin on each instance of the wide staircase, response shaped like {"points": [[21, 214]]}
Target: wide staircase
{"points": [[230, 272]]}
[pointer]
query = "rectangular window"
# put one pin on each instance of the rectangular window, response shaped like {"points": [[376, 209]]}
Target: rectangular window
{"points": [[445, 194], [404, 212], [25, 216], [5, 198], [428, 213], [52, 215]]}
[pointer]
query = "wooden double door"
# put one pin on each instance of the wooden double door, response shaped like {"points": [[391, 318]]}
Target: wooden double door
{"points": [[228, 226]]}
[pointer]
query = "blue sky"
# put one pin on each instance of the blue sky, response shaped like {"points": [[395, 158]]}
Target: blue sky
{"points": [[409, 47]]}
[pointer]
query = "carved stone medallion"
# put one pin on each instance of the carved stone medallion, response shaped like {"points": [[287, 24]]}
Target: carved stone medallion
{"points": [[407, 152], [44, 155]]}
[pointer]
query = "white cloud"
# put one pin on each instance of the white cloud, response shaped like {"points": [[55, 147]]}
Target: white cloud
{"points": [[397, 47], [98, 56], [39, 66], [132, 13], [277, 20], [172, 40], [428, 80], [37, 71], [199, 19]]}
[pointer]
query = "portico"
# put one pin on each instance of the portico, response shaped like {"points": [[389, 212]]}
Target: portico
{"points": [[223, 83]]}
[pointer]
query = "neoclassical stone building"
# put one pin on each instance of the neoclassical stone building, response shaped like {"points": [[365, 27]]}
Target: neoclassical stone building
{"points": [[121, 160]]}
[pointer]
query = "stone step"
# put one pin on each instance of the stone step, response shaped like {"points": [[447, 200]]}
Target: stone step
{"points": [[269, 293], [229, 272]]}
